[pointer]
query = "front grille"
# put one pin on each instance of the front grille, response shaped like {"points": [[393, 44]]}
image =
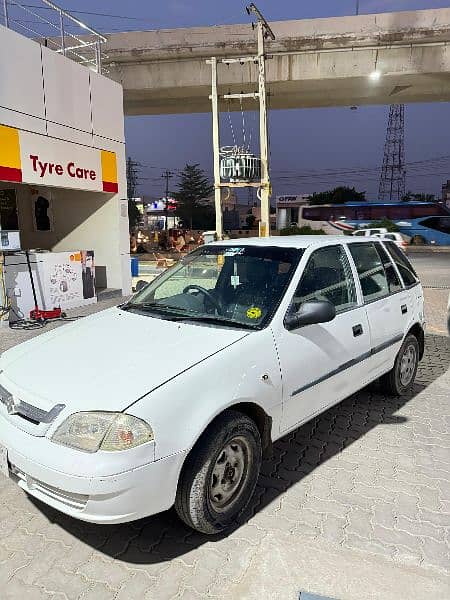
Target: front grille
{"points": [[33, 414], [45, 491]]}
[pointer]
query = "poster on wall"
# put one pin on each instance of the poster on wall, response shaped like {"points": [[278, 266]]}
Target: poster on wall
{"points": [[68, 279], [8, 210]]}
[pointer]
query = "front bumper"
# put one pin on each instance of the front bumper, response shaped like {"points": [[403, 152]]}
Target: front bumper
{"points": [[111, 498]]}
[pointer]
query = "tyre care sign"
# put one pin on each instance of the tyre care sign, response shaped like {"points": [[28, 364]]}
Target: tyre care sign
{"points": [[32, 158]]}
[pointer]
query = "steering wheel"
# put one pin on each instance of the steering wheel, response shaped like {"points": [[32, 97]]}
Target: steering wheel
{"points": [[198, 288]]}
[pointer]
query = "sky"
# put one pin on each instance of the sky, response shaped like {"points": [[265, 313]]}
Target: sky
{"points": [[306, 142]]}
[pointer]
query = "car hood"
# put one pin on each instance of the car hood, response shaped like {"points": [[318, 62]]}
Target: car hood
{"points": [[107, 361]]}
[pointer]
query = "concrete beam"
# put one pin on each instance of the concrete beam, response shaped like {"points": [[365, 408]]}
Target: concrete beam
{"points": [[315, 62]]}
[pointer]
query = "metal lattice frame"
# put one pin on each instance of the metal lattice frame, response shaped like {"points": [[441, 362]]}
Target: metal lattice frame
{"points": [[393, 174]]}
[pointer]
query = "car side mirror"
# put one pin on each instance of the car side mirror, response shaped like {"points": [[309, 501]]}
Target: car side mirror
{"points": [[140, 285], [311, 313]]}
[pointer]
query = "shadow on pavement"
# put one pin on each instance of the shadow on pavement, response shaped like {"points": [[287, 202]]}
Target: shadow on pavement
{"points": [[163, 537]]}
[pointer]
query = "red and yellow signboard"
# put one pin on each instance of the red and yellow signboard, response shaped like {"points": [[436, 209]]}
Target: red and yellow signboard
{"points": [[37, 159], [109, 171], [10, 165]]}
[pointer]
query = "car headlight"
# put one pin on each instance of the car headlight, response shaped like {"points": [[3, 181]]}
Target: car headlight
{"points": [[92, 431]]}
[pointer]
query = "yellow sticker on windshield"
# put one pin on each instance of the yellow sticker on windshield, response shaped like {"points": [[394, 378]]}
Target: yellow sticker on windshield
{"points": [[254, 312]]}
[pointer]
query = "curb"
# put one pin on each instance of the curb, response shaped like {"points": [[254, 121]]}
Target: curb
{"points": [[427, 249]]}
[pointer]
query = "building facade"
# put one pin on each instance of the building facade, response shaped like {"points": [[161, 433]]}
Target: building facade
{"points": [[287, 209], [446, 193], [62, 157]]}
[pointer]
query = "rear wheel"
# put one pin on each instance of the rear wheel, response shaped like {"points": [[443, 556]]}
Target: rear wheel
{"points": [[401, 378], [418, 240], [220, 474]]}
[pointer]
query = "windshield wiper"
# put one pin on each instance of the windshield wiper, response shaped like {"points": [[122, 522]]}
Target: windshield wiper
{"points": [[151, 307], [213, 321], [175, 315]]}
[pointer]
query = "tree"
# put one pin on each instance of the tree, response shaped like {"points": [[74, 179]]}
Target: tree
{"points": [[385, 223], [193, 190], [134, 216], [305, 230], [250, 220], [338, 195]]}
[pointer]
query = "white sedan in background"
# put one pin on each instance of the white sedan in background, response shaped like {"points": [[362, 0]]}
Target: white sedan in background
{"points": [[175, 397], [400, 240]]}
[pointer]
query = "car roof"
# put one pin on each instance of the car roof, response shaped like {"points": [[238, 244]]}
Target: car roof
{"points": [[294, 241]]}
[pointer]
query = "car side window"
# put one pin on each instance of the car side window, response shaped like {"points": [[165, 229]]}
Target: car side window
{"points": [[327, 276], [407, 272], [394, 283], [371, 271]]}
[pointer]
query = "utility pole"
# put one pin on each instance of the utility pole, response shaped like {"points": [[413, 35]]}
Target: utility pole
{"points": [[263, 185], [264, 31], [216, 150], [357, 7], [167, 175], [132, 177]]}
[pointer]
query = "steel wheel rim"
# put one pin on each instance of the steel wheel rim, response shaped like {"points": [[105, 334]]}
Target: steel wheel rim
{"points": [[408, 365], [229, 474]]}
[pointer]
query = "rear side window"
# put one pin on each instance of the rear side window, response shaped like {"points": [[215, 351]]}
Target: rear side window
{"points": [[374, 282], [360, 233], [406, 269], [394, 283], [327, 276]]}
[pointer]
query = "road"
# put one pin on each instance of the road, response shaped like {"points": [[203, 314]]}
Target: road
{"points": [[433, 268]]}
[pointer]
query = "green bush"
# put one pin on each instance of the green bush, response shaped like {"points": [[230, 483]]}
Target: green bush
{"points": [[386, 223], [305, 230]]}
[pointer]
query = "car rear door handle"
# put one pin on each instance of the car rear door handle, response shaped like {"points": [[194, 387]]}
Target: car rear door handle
{"points": [[357, 330], [404, 309]]}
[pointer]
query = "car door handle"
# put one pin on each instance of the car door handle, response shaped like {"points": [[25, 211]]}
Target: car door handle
{"points": [[404, 309], [357, 330]]}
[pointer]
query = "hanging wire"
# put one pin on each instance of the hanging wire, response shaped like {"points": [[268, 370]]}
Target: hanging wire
{"points": [[243, 124], [231, 123], [253, 125]]}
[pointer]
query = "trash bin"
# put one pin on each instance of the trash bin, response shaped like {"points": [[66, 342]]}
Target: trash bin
{"points": [[134, 267]]}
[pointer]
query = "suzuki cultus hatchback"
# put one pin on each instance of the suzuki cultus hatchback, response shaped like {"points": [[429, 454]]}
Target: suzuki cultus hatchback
{"points": [[174, 397]]}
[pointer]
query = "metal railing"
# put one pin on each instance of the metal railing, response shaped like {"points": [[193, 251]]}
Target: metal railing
{"points": [[55, 28]]}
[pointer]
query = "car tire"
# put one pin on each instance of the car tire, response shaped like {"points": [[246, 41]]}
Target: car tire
{"points": [[220, 474], [400, 379], [418, 240]]}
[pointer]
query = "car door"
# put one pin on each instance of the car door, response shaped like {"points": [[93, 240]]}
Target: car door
{"points": [[385, 300], [320, 363]]}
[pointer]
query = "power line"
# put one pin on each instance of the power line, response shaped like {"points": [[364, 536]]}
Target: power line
{"points": [[84, 12]]}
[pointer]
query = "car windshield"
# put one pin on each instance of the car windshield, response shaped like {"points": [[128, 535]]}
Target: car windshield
{"points": [[234, 286]]}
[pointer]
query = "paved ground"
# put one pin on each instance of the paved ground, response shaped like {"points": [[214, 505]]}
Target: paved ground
{"points": [[433, 268], [353, 505]]}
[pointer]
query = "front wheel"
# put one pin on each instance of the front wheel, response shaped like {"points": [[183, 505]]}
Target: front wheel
{"points": [[220, 474], [401, 378]]}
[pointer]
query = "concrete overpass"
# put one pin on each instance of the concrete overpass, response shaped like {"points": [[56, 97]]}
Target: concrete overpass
{"points": [[315, 62]]}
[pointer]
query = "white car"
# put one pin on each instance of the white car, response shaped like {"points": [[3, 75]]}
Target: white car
{"points": [[369, 232], [395, 237], [175, 397]]}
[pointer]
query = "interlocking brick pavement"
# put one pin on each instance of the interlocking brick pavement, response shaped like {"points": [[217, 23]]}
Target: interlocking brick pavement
{"points": [[354, 505]]}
